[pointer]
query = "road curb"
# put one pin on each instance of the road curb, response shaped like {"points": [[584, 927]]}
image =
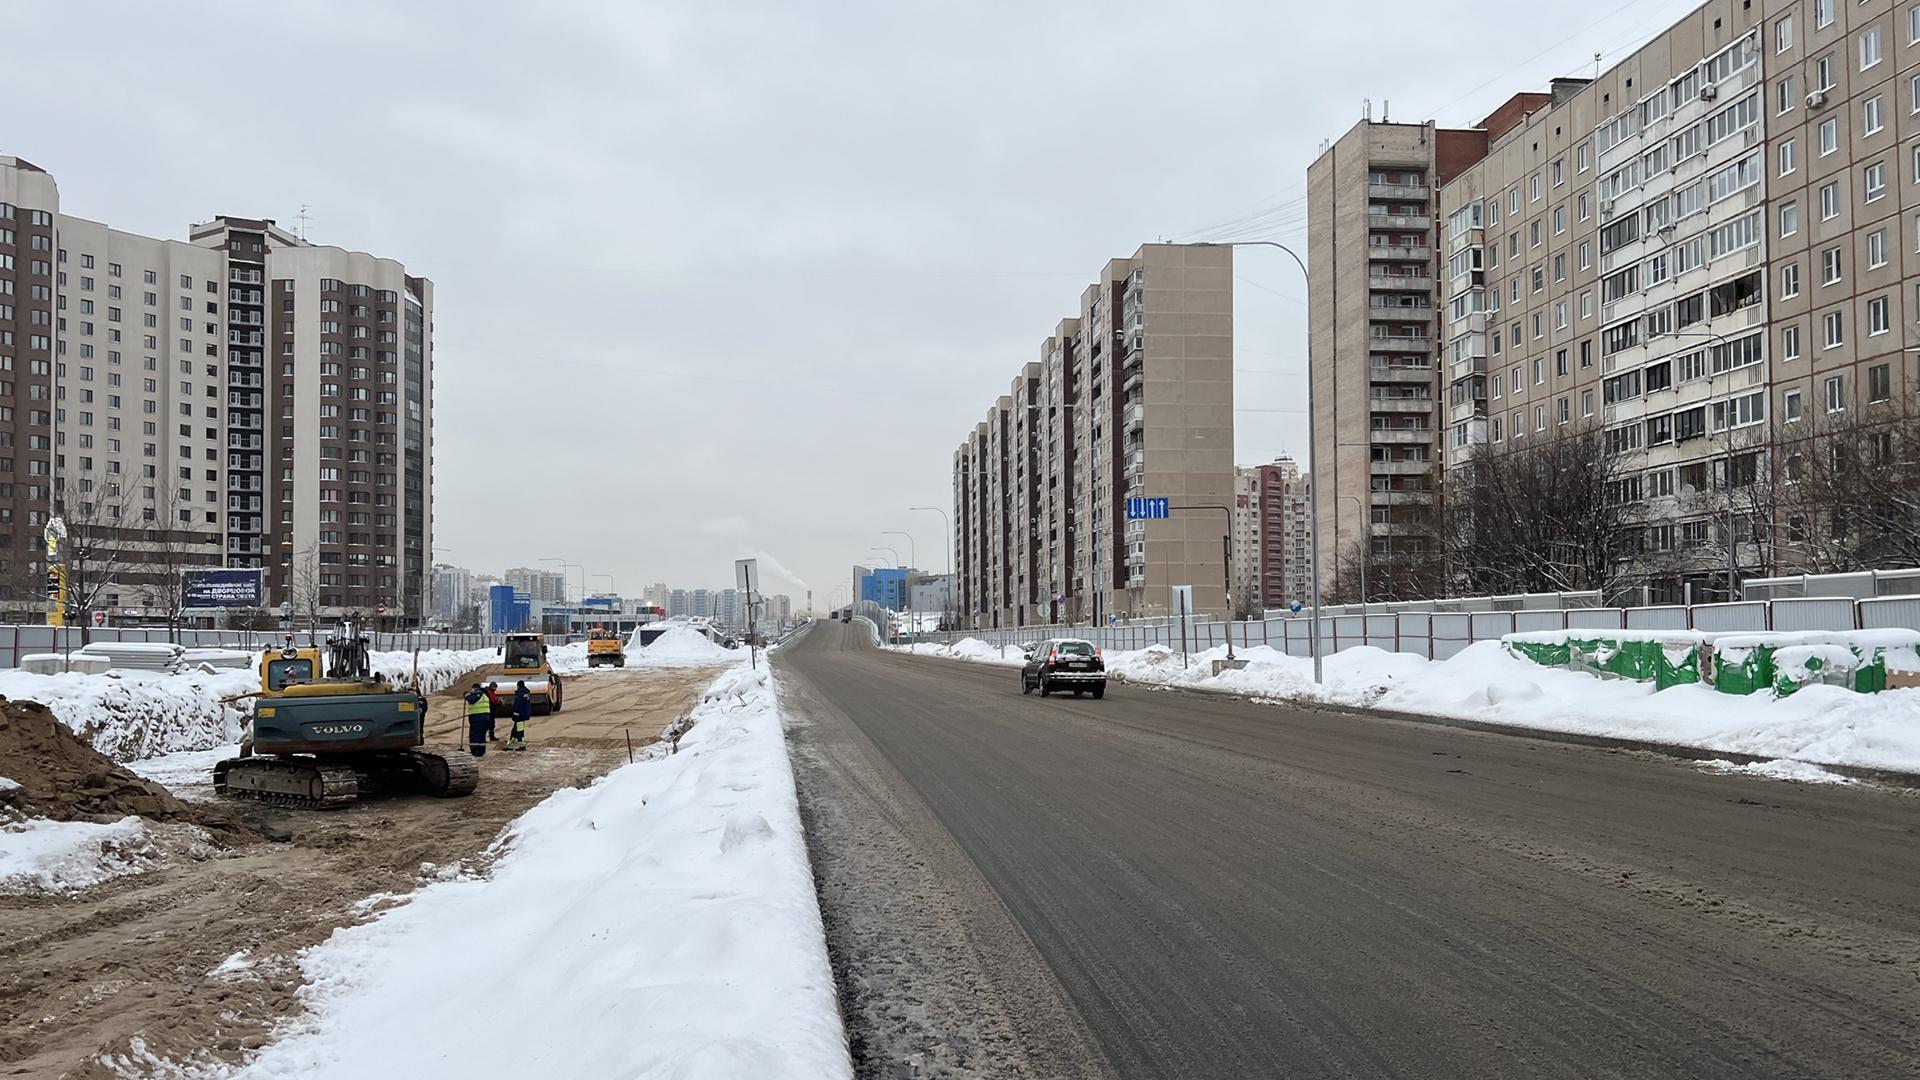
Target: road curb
{"points": [[1889, 777]]}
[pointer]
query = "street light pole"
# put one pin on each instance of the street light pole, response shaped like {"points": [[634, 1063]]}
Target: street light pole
{"points": [[946, 525], [1313, 487]]}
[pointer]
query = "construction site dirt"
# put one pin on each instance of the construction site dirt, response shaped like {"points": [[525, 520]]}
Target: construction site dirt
{"points": [[195, 962]]}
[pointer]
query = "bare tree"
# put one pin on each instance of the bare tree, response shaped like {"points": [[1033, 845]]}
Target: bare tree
{"points": [[303, 586], [1559, 513], [1849, 489], [172, 549], [105, 528]]}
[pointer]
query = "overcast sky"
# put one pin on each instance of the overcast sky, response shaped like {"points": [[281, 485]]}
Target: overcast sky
{"points": [[717, 279]]}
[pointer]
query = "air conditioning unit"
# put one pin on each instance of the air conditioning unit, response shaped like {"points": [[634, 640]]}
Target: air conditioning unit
{"points": [[1709, 92], [1606, 209], [1817, 99]]}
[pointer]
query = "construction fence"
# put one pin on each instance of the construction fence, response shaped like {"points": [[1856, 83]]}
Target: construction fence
{"points": [[18, 641], [1438, 635]]}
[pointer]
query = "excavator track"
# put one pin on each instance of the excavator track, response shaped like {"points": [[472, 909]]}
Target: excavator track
{"points": [[448, 774], [300, 785]]}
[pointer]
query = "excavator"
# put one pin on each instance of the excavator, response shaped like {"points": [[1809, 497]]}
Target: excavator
{"points": [[604, 647], [326, 730]]}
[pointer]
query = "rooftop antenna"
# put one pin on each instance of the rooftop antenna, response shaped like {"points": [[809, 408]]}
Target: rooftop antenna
{"points": [[302, 232], [1386, 106], [1366, 109], [1596, 67]]}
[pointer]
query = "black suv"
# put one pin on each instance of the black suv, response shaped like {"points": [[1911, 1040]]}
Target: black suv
{"points": [[1064, 664]]}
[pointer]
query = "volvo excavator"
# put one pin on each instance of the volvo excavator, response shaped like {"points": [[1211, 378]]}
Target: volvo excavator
{"points": [[326, 730]]}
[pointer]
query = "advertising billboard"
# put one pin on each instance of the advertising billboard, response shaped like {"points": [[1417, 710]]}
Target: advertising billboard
{"points": [[221, 588]]}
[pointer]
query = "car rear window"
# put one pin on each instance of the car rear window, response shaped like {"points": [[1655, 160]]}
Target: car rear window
{"points": [[1074, 648]]}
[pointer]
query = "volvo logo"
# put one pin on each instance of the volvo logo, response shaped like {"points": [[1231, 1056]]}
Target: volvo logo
{"points": [[338, 729]]}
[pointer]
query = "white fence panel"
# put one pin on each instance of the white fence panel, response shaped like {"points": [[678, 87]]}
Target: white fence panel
{"points": [[1416, 633], [1814, 613], [1382, 631], [1596, 618], [1524, 621], [1489, 625], [1723, 618], [1452, 631], [1890, 613], [1657, 618]]}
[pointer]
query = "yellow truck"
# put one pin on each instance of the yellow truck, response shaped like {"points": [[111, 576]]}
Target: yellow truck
{"points": [[605, 647]]}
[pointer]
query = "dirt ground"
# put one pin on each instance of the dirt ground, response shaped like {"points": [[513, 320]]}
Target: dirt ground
{"points": [[125, 972]]}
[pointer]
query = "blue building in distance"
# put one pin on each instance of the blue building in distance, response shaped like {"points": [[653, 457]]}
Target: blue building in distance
{"points": [[886, 586]]}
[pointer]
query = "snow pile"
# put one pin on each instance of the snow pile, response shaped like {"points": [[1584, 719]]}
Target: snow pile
{"points": [[9, 785], [682, 646], [1818, 724], [439, 668], [1798, 771], [136, 714], [41, 856], [570, 659], [659, 923]]}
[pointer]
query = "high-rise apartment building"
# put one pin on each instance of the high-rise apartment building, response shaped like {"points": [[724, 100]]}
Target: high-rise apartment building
{"points": [[1131, 398], [1698, 254], [539, 586], [657, 595], [678, 604], [452, 587], [140, 365], [1285, 542], [1371, 270], [1246, 593]]}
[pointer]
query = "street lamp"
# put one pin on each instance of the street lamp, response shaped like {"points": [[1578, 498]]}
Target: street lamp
{"points": [[1313, 489], [947, 527]]}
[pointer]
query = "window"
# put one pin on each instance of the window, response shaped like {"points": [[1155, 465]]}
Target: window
{"points": [[1822, 14], [1913, 24], [1830, 201], [1823, 73], [1586, 303], [1559, 220], [1533, 188], [1878, 320], [1790, 406], [1836, 329], [1829, 135], [1869, 47], [1559, 172], [1789, 218], [1876, 179], [1871, 120], [1580, 157], [1560, 267], [1876, 249], [1879, 382], [1783, 34], [1789, 281], [1585, 209], [1836, 387], [1586, 254], [1784, 95], [1586, 403], [1913, 90], [1830, 266], [1539, 370], [1787, 156]]}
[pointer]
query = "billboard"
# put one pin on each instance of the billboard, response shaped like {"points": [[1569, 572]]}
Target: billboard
{"points": [[221, 588]]}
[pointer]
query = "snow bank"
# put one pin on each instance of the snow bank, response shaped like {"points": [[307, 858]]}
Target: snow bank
{"points": [[439, 668], [42, 856], [1797, 771], [660, 923], [1822, 725], [136, 714], [129, 715]]}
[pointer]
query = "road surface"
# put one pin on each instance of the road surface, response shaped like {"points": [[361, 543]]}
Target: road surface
{"points": [[1171, 885]]}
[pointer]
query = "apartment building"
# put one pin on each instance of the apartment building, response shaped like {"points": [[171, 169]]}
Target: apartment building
{"points": [[1371, 271], [539, 586], [1132, 398], [1246, 591], [1703, 246], [1285, 571], [139, 366]]}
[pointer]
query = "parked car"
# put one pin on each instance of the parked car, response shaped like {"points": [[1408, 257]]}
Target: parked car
{"points": [[1064, 664]]}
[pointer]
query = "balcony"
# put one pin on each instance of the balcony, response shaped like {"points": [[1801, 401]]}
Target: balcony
{"points": [[1394, 253], [1466, 410], [1400, 312], [1408, 282], [1416, 222], [245, 277], [1401, 436], [237, 337], [1401, 528], [1400, 498], [1399, 468], [1400, 374], [1399, 192], [1400, 344], [1400, 405]]}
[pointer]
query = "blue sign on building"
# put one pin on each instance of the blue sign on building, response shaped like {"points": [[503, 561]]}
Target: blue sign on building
{"points": [[1147, 509], [508, 612]]}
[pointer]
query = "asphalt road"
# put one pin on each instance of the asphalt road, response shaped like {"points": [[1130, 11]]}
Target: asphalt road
{"points": [[1210, 888]]}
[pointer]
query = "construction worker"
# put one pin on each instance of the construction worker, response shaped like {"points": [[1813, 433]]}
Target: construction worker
{"points": [[479, 720], [522, 712], [493, 703]]}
